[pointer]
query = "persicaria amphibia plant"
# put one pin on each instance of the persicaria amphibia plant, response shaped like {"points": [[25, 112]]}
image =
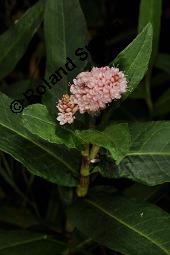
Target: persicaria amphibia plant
{"points": [[90, 92], [101, 153]]}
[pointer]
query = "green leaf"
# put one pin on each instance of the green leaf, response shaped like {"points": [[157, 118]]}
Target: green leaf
{"points": [[134, 59], [161, 106], [41, 158], [115, 138], [38, 121], [144, 193], [163, 62], [123, 225], [19, 36], [151, 11], [25, 243], [65, 32], [149, 158]]}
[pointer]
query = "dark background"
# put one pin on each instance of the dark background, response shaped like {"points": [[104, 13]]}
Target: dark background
{"points": [[112, 25]]}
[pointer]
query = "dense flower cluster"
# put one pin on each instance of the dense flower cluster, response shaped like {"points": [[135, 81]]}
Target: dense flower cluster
{"points": [[66, 110], [91, 92]]}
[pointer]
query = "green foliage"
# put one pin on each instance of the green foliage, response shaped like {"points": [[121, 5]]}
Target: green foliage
{"points": [[19, 36], [65, 32], [148, 160], [135, 58], [24, 243], [115, 138], [122, 224], [41, 158], [150, 11], [38, 121]]}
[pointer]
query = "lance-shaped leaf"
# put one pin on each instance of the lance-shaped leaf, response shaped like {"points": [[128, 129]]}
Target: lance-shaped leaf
{"points": [[134, 59], [150, 11], [40, 157], [14, 42], [38, 121], [24, 243], [123, 225], [149, 158], [65, 32], [115, 138]]}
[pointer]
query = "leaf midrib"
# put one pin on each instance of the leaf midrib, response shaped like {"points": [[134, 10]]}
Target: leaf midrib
{"points": [[40, 146], [139, 52], [125, 224], [131, 88], [148, 154], [37, 118], [46, 122], [23, 242]]}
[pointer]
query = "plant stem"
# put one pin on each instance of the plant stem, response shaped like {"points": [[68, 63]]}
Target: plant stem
{"points": [[93, 153], [84, 173], [87, 156]]}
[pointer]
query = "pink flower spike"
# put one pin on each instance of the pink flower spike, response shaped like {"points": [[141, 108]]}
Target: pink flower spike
{"points": [[93, 90], [66, 110]]}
